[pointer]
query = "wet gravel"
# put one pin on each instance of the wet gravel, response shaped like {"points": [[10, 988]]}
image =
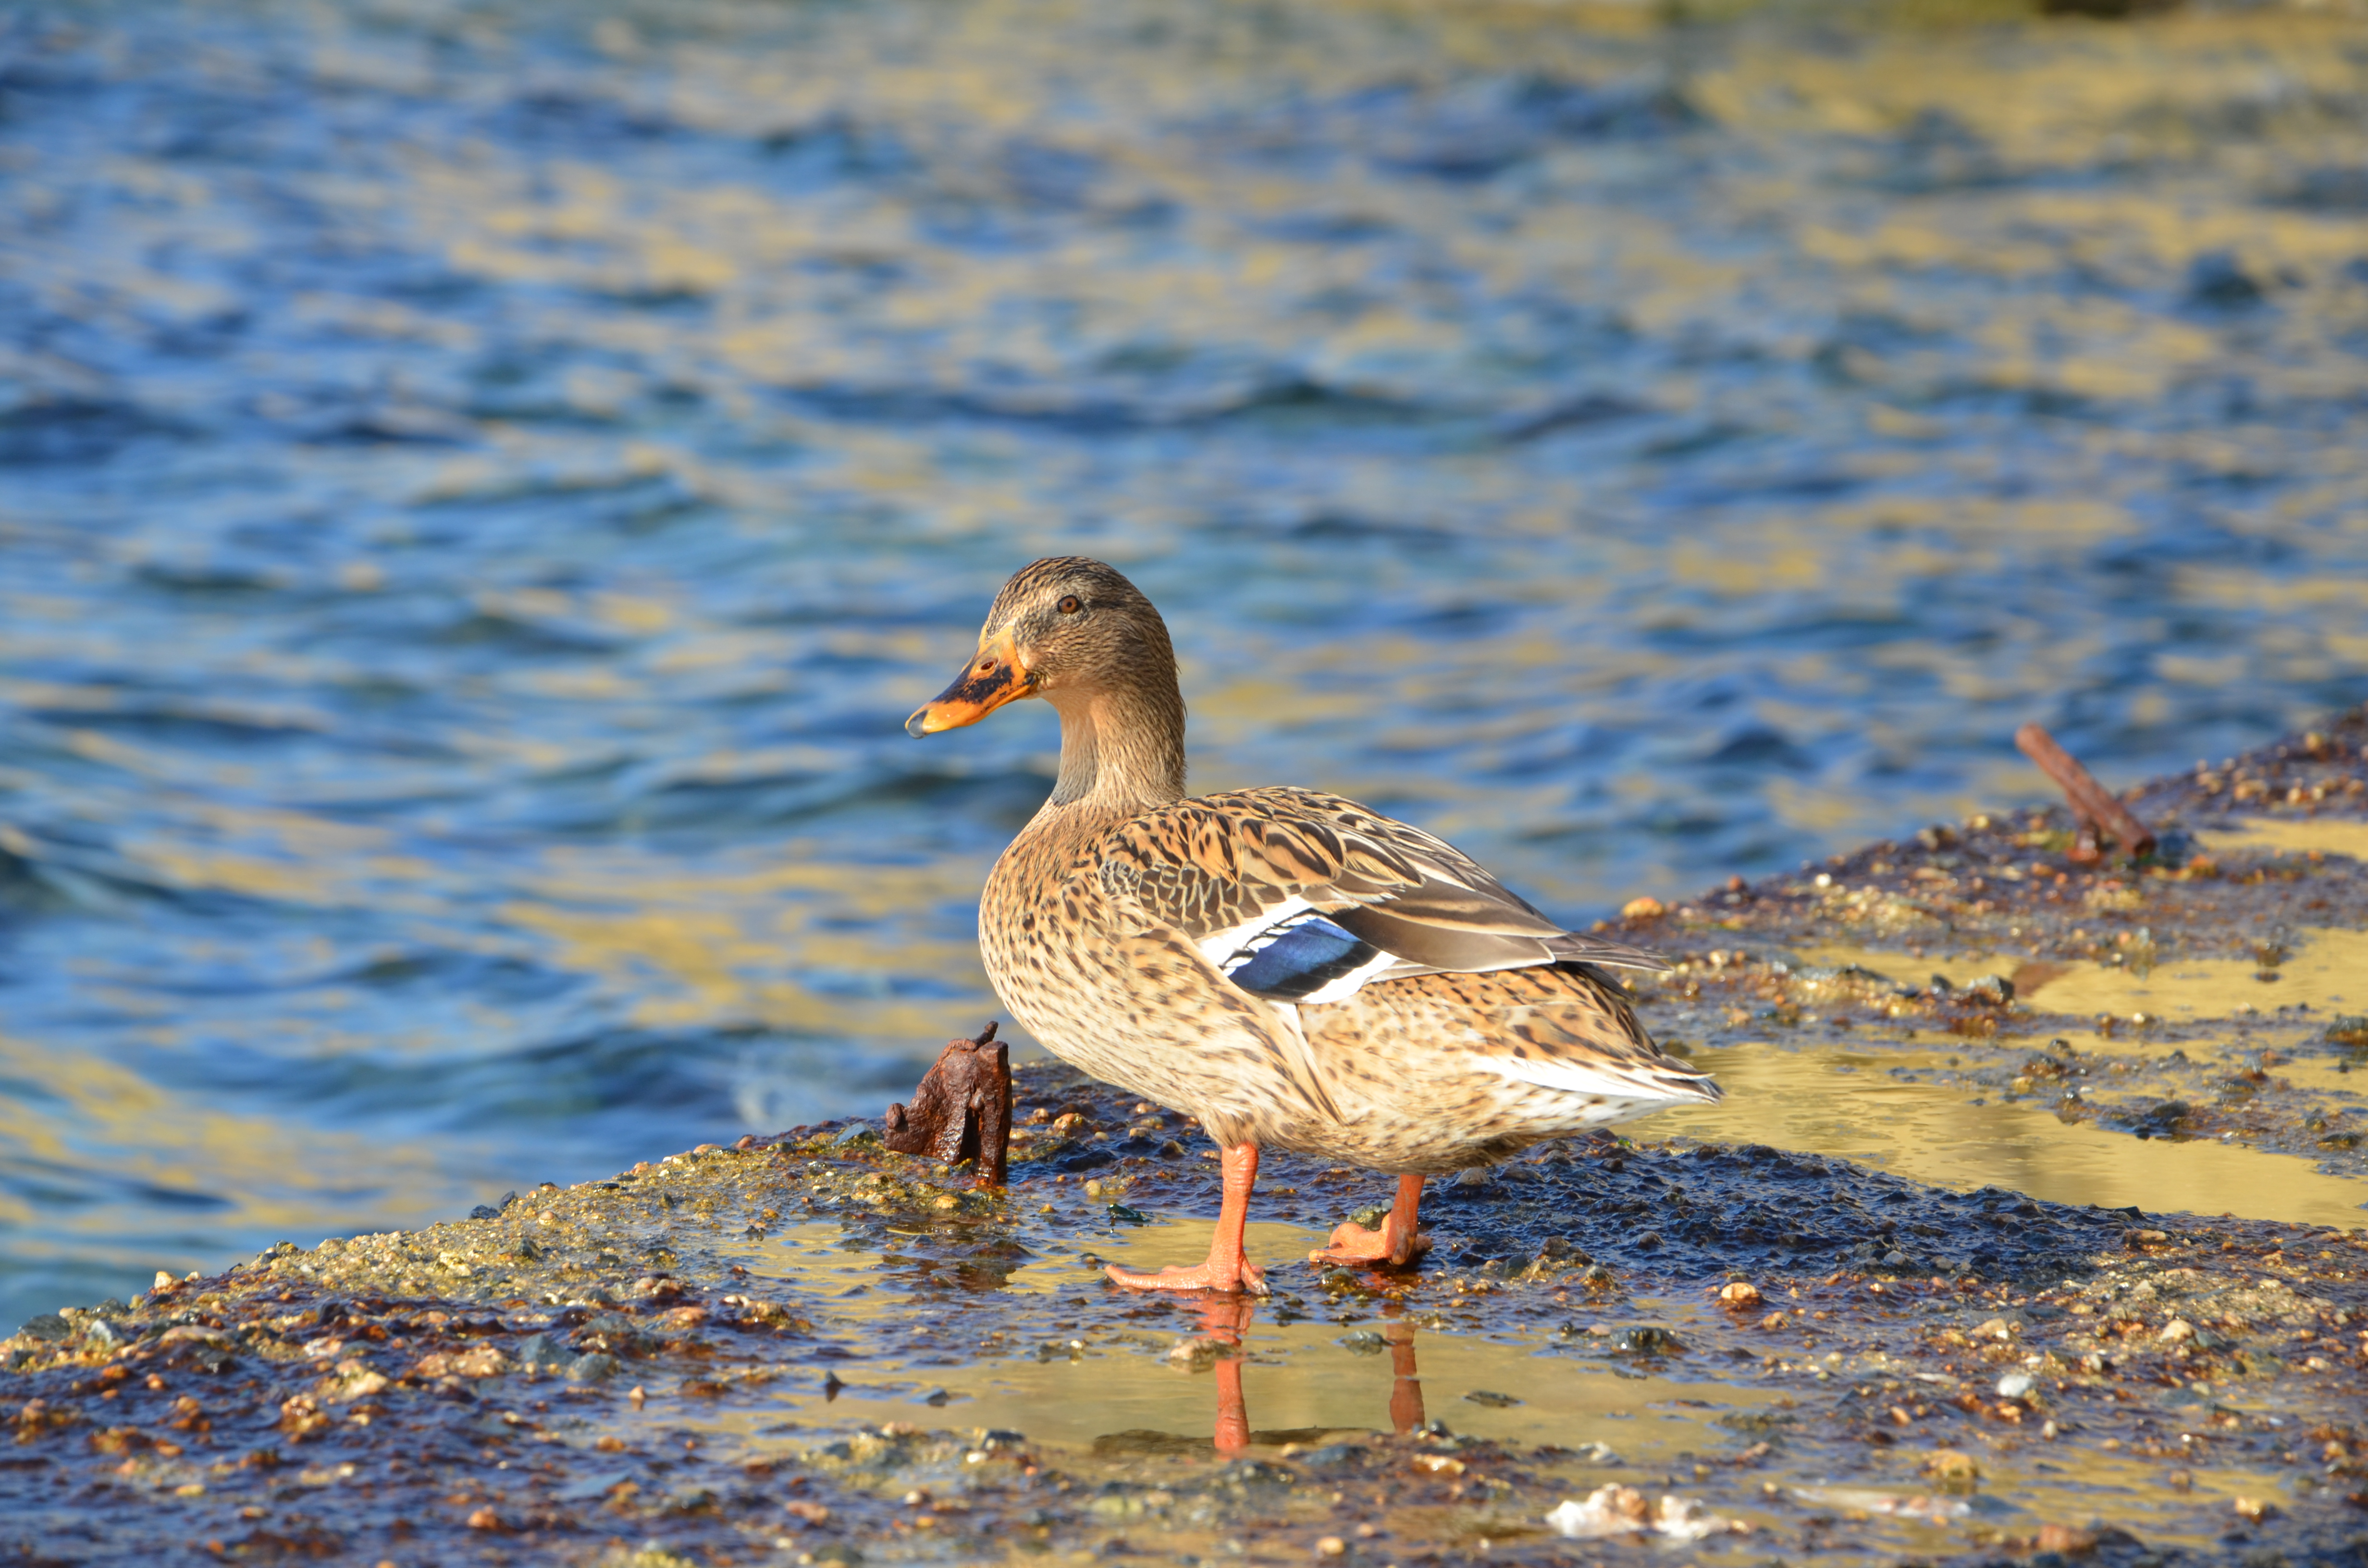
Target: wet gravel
{"points": [[544, 1383]]}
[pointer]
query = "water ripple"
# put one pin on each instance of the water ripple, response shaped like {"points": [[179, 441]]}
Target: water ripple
{"points": [[484, 485]]}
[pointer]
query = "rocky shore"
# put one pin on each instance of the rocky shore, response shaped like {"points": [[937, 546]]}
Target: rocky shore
{"points": [[808, 1349]]}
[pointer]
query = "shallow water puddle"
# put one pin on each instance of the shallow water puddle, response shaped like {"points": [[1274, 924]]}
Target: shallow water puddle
{"points": [[1856, 1104], [1300, 1384], [2291, 835], [2326, 969], [1300, 1378]]}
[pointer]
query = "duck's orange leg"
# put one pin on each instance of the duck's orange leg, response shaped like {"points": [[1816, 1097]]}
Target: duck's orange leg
{"points": [[1228, 1268], [1396, 1244]]}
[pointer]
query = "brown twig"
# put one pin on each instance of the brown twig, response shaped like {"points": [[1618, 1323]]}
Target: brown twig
{"points": [[962, 1108], [2098, 811]]}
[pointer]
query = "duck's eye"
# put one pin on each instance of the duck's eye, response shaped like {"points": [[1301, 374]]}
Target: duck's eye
{"points": [[1070, 604], [986, 666]]}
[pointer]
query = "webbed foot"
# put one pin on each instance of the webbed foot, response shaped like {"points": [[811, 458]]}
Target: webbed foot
{"points": [[1389, 1246], [1394, 1246], [1236, 1274]]}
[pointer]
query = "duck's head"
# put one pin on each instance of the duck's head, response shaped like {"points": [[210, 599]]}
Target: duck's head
{"points": [[1064, 628]]}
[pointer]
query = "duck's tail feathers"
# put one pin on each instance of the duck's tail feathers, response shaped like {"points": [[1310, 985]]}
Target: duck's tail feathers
{"points": [[1663, 1082]]}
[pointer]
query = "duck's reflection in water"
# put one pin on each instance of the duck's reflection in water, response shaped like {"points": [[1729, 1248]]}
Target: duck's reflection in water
{"points": [[1225, 1319]]}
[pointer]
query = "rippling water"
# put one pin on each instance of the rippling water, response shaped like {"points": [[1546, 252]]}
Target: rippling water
{"points": [[481, 484]]}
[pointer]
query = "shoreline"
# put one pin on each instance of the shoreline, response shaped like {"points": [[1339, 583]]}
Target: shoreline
{"points": [[773, 1352]]}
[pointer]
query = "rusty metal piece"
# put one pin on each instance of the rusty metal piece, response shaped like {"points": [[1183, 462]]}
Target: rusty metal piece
{"points": [[2099, 814], [962, 1108]]}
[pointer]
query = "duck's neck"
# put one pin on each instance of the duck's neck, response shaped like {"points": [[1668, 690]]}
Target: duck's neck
{"points": [[1122, 750]]}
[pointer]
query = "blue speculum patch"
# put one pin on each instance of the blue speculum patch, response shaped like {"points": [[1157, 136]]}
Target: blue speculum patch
{"points": [[1299, 958]]}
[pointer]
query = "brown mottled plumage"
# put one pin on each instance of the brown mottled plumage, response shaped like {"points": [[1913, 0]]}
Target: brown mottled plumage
{"points": [[1294, 970]]}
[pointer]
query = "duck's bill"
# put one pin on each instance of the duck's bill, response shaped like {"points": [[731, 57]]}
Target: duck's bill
{"points": [[992, 678]]}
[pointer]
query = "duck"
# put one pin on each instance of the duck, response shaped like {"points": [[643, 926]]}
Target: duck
{"points": [[1290, 969]]}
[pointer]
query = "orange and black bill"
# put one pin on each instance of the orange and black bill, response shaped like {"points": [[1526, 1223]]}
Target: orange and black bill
{"points": [[993, 678]]}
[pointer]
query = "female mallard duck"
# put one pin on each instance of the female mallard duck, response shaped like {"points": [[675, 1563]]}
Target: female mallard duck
{"points": [[1294, 970]]}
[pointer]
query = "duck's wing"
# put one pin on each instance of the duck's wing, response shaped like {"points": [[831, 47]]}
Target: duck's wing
{"points": [[1299, 897]]}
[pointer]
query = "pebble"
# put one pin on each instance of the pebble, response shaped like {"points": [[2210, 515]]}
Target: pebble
{"points": [[2014, 1385], [1950, 1465]]}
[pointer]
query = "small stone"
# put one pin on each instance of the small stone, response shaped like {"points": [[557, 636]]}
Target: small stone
{"points": [[1331, 1545], [1740, 1294], [1644, 908], [1607, 1511], [2178, 1331], [2252, 1510], [2066, 1538], [545, 1353], [1648, 1339], [1950, 1465], [485, 1519], [2014, 1385]]}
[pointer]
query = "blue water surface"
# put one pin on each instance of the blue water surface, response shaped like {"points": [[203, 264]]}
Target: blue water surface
{"points": [[482, 486]]}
